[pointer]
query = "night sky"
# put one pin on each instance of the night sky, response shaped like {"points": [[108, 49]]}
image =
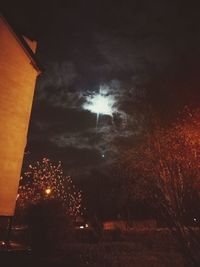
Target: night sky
{"points": [[144, 54]]}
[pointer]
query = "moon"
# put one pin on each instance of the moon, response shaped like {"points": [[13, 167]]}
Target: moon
{"points": [[100, 103]]}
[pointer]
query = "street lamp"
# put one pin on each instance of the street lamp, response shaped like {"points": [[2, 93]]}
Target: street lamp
{"points": [[48, 191]]}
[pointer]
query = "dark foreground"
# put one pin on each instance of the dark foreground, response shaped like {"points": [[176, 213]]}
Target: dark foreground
{"points": [[134, 249]]}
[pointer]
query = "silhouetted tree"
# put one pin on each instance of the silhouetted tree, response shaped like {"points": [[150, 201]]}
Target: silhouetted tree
{"points": [[165, 171], [46, 181], [48, 202]]}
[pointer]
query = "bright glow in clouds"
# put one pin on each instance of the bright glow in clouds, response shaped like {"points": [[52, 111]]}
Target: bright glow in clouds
{"points": [[100, 103]]}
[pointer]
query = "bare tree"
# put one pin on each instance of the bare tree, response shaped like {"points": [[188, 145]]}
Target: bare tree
{"points": [[166, 171]]}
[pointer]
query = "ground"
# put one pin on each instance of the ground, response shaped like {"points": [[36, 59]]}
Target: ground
{"points": [[134, 249]]}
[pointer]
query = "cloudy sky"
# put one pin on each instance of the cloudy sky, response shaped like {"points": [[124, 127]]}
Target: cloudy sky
{"points": [[142, 54]]}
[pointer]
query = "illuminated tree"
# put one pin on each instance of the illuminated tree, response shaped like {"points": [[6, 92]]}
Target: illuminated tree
{"points": [[45, 181], [165, 170]]}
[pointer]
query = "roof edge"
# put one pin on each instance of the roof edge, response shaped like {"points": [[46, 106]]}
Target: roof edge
{"points": [[28, 51]]}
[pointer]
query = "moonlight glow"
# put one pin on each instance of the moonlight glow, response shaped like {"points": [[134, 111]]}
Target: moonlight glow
{"points": [[100, 103]]}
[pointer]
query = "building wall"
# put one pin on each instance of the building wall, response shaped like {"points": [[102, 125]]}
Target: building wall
{"points": [[17, 83], [124, 226]]}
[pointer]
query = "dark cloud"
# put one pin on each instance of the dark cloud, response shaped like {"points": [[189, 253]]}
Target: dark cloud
{"points": [[145, 53], [55, 119], [82, 158]]}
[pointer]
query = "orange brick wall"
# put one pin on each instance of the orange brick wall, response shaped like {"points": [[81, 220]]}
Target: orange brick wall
{"points": [[17, 82]]}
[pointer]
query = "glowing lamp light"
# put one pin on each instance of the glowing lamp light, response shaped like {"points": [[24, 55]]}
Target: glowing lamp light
{"points": [[48, 191]]}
